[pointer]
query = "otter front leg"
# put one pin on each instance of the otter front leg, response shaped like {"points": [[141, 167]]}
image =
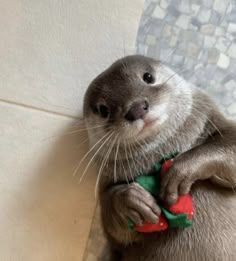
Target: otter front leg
{"points": [[214, 160], [120, 203]]}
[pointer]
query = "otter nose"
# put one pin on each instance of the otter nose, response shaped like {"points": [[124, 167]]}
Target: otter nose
{"points": [[137, 111]]}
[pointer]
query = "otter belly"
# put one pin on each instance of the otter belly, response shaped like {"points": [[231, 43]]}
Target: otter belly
{"points": [[212, 236]]}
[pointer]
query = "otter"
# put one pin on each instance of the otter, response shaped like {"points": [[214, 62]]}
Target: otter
{"points": [[136, 111]]}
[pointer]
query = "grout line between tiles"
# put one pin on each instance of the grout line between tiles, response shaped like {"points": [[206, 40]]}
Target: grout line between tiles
{"points": [[18, 104]]}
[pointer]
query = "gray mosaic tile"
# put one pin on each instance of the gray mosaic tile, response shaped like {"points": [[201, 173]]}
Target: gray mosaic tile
{"points": [[204, 15], [209, 41]]}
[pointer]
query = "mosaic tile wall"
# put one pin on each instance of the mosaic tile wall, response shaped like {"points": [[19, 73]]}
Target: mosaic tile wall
{"points": [[197, 39]]}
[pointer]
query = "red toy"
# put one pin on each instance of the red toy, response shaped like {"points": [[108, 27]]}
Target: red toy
{"points": [[179, 214]]}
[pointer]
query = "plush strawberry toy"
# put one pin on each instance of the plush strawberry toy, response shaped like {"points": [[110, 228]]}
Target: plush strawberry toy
{"points": [[177, 215]]}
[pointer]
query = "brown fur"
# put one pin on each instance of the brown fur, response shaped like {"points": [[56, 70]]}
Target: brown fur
{"points": [[207, 165]]}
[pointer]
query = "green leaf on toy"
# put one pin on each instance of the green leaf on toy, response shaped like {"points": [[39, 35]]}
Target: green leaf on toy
{"points": [[180, 220], [131, 224], [149, 183], [181, 211]]}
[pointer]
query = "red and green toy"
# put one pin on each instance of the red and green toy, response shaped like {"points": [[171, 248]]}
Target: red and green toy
{"points": [[179, 214]]}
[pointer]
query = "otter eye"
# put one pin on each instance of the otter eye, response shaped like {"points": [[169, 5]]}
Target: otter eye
{"points": [[103, 111], [148, 78]]}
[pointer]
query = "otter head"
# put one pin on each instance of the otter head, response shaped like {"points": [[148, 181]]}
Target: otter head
{"points": [[137, 99]]}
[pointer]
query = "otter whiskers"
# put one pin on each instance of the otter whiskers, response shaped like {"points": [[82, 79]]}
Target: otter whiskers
{"points": [[105, 159], [127, 158], [115, 160], [94, 155], [85, 156], [73, 132]]}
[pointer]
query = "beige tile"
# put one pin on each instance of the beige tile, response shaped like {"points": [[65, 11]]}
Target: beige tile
{"points": [[45, 215], [51, 50]]}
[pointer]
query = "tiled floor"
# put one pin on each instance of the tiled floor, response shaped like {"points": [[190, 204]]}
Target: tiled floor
{"points": [[49, 52]]}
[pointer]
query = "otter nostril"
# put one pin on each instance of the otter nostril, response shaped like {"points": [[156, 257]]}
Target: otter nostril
{"points": [[137, 111]]}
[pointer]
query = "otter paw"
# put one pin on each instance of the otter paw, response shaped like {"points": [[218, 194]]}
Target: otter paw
{"points": [[134, 202], [174, 183]]}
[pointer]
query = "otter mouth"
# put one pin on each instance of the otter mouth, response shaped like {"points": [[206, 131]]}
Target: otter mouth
{"points": [[148, 123]]}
